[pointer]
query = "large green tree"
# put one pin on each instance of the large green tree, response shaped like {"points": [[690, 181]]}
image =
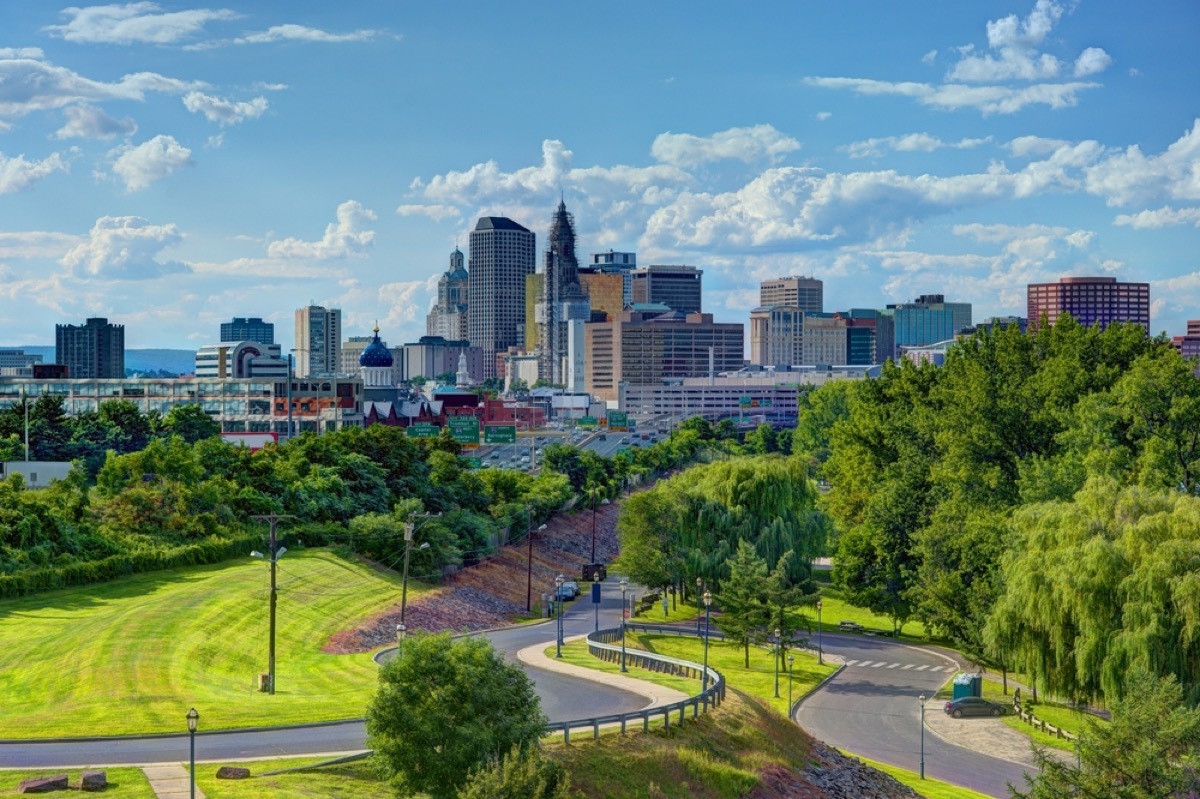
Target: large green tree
{"points": [[445, 707], [743, 599]]}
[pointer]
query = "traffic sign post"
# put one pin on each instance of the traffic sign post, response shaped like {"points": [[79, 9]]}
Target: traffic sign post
{"points": [[618, 420], [464, 429], [423, 430], [500, 434]]}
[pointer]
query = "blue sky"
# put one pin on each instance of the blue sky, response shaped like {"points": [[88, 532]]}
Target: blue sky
{"points": [[172, 165]]}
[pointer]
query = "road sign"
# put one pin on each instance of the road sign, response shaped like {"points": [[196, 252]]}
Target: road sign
{"points": [[500, 434], [423, 430], [744, 401], [618, 420], [588, 421], [465, 429], [765, 402], [474, 463]]}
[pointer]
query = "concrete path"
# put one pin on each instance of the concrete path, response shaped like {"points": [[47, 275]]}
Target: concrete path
{"points": [[170, 781], [988, 736], [658, 695]]}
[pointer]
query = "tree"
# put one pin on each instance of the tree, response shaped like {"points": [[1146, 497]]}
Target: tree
{"points": [[445, 707], [1151, 750], [189, 422], [565, 459], [522, 774], [743, 600], [761, 440]]}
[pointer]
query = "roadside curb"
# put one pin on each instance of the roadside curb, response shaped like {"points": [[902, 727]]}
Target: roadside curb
{"points": [[533, 655], [796, 705]]}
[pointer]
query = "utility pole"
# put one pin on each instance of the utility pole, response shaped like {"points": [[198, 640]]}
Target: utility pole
{"points": [[273, 555]]}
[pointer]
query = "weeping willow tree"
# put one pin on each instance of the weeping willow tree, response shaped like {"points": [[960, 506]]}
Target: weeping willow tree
{"points": [[1100, 586], [690, 525]]}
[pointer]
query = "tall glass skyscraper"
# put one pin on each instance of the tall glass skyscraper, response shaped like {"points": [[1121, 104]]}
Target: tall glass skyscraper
{"points": [[502, 254]]}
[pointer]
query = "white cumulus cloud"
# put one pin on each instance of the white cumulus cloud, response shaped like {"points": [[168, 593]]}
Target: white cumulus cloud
{"points": [[224, 112], [125, 248], [89, 122], [135, 22], [1091, 62], [139, 166], [910, 143], [749, 145], [18, 173], [1132, 176], [291, 33], [1160, 218], [343, 239], [435, 212]]}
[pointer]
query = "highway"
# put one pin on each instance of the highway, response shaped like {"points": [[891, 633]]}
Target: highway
{"points": [[563, 699], [871, 708]]}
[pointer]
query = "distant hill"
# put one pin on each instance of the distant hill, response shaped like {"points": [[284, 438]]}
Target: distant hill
{"points": [[175, 362]]}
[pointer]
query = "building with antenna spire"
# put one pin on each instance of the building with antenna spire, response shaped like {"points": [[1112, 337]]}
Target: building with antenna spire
{"points": [[563, 308]]}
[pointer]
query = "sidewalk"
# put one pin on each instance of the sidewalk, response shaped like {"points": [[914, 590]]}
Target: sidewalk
{"points": [[170, 781], [987, 736], [658, 695]]}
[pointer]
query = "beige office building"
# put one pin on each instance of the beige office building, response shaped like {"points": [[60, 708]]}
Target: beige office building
{"points": [[805, 293]]}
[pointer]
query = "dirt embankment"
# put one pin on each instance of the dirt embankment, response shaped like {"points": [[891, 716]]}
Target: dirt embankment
{"points": [[493, 592]]}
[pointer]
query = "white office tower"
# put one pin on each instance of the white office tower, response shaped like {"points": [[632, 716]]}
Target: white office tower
{"points": [[318, 341]]}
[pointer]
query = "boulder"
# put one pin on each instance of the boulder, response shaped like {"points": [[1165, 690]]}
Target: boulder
{"points": [[93, 781], [232, 773], [43, 784]]}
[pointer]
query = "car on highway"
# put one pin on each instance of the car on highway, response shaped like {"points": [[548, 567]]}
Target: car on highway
{"points": [[973, 706], [568, 590]]}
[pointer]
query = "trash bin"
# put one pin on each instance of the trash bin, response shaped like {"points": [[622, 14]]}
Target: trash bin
{"points": [[967, 685]]}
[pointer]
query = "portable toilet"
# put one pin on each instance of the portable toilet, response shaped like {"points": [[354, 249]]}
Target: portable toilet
{"points": [[967, 685]]}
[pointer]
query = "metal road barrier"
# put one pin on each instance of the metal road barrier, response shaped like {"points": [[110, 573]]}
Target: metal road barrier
{"points": [[600, 645]]}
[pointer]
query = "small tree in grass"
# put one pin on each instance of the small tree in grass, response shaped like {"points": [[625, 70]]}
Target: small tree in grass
{"points": [[522, 774], [1151, 750], [743, 599], [445, 707]]}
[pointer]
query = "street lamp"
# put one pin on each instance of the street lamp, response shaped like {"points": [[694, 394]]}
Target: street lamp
{"points": [[273, 555], [820, 651], [558, 583], [409, 529], [791, 660], [778, 643], [596, 601], [529, 563], [401, 632], [699, 592], [707, 602], [624, 587], [193, 721], [922, 700], [594, 504]]}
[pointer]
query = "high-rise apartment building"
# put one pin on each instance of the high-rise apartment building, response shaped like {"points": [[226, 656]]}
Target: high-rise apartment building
{"points": [[640, 347], [502, 254], [318, 341], [94, 349], [805, 293], [1090, 301], [677, 287], [251, 329], [928, 320], [448, 318]]}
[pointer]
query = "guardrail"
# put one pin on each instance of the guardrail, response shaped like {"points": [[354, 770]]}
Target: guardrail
{"points": [[600, 646], [1038, 724]]}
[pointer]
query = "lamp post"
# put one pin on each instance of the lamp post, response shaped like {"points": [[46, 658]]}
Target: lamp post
{"points": [[778, 643], [596, 603], [922, 700], [791, 660], [699, 593], [820, 651], [558, 583], [595, 503], [624, 587], [401, 632], [273, 555], [529, 565], [707, 602], [409, 529], [193, 721]]}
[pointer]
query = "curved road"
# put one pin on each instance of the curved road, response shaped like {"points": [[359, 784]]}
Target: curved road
{"points": [[871, 708], [563, 698]]}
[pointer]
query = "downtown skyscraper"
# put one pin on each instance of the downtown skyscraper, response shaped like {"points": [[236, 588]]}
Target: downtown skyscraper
{"points": [[563, 301], [502, 253]]}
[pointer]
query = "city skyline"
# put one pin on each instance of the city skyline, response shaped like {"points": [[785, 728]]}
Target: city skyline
{"points": [[170, 167]]}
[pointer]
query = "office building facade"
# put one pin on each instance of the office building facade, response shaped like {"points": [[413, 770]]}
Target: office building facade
{"points": [[616, 263], [248, 329], [777, 336], [1090, 301], [928, 320], [677, 287], [318, 341], [562, 299], [502, 253], [805, 293], [94, 349], [448, 318], [241, 359]]}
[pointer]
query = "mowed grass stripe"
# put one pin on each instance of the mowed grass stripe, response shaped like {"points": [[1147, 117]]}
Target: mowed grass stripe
{"points": [[132, 656]]}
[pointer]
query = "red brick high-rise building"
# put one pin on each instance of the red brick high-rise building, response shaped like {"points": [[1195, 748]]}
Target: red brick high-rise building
{"points": [[1090, 301]]}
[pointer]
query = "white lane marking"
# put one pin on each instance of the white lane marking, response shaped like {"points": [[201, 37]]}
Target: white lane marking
{"points": [[864, 663], [893, 665], [851, 662], [922, 668], [877, 665], [909, 666]]}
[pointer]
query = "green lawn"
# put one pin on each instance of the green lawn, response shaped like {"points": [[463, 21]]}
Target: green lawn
{"points": [[357, 780], [123, 783], [835, 610], [132, 656]]}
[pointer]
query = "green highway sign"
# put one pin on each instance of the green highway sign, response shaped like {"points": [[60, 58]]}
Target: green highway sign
{"points": [[423, 430], [618, 420], [465, 429], [744, 401], [588, 421], [474, 463], [500, 434]]}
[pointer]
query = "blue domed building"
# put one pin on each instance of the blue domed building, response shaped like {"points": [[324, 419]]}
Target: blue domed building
{"points": [[375, 364]]}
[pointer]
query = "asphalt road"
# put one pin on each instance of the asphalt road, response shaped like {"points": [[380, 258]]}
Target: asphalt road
{"points": [[871, 708], [563, 698]]}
